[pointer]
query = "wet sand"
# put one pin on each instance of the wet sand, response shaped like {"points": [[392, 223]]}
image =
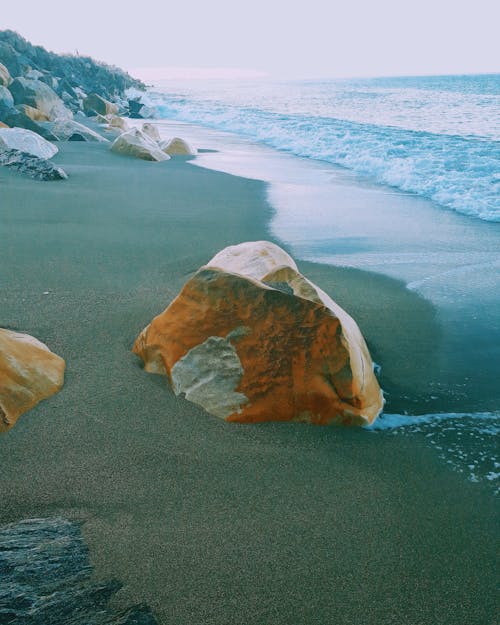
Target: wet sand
{"points": [[211, 522]]}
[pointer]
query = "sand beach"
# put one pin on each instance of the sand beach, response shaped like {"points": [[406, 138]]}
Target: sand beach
{"points": [[210, 522]]}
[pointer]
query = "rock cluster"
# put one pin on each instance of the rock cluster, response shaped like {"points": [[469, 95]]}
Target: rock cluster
{"points": [[250, 339], [29, 372]]}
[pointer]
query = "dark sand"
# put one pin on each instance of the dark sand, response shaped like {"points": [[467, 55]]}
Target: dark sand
{"points": [[209, 522]]}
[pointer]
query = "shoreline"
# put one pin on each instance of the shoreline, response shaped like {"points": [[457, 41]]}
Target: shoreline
{"points": [[212, 522]]}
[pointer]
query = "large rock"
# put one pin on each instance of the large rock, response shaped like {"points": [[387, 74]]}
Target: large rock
{"points": [[32, 166], [29, 372], [251, 339], [6, 99], [5, 78], [34, 114], [69, 130], [14, 118], [151, 131], [177, 147], [40, 96], [94, 102], [26, 141], [136, 143]]}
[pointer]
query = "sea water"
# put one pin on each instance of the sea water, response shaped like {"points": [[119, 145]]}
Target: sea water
{"points": [[438, 136], [433, 138]]}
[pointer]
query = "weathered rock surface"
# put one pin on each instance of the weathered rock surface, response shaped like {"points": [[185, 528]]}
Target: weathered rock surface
{"points": [[40, 96], [29, 372], [135, 143], [115, 121], [100, 105], [35, 114], [6, 99], [32, 166], [2, 125], [69, 130], [177, 147], [151, 131], [250, 339], [14, 118], [5, 78], [26, 141], [47, 579]]}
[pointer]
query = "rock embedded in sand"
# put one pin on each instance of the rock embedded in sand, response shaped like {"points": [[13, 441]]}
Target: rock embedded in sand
{"points": [[94, 102], [177, 147], [32, 166], [151, 131], [40, 96], [26, 141], [135, 143], [250, 339], [69, 130], [29, 372]]}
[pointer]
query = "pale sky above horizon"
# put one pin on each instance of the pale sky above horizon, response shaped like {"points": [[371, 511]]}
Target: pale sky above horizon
{"points": [[306, 39]]}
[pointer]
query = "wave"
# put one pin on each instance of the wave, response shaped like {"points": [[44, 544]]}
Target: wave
{"points": [[461, 173], [467, 442]]}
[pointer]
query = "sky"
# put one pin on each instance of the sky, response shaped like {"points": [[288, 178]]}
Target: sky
{"points": [[279, 38]]}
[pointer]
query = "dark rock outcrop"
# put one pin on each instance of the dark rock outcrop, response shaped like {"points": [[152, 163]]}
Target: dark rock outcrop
{"points": [[32, 166], [47, 579]]}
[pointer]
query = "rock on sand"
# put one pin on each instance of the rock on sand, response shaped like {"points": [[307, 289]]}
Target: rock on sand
{"points": [[29, 372], [250, 339]]}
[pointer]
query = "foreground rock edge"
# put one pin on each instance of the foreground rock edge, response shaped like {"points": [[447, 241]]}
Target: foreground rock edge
{"points": [[29, 373]]}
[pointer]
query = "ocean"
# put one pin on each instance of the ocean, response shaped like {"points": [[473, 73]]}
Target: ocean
{"points": [[435, 136], [400, 176]]}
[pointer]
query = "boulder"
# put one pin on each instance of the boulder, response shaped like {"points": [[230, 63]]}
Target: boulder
{"points": [[32, 166], [40, 96], [14, 118], [151, 131], [118, 122], [177, 147], [250, 339], [5, 78], [69, 130], [35, 114], [6, 99], [29, 372], [136, 143], [26, 141], [94, 102]]}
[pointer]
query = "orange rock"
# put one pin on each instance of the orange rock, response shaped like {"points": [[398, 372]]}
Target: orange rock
{"points": [[2, 125], [33, 113], [29, 372], [250, 339]]}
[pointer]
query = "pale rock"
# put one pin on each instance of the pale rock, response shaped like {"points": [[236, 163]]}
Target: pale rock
{"points": [[26, 141], [177, 147], [100, 105], [5, 78], [151, 131], [135, 143], [29, 372], [34, 114], [38, 95], [69, 130]]}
